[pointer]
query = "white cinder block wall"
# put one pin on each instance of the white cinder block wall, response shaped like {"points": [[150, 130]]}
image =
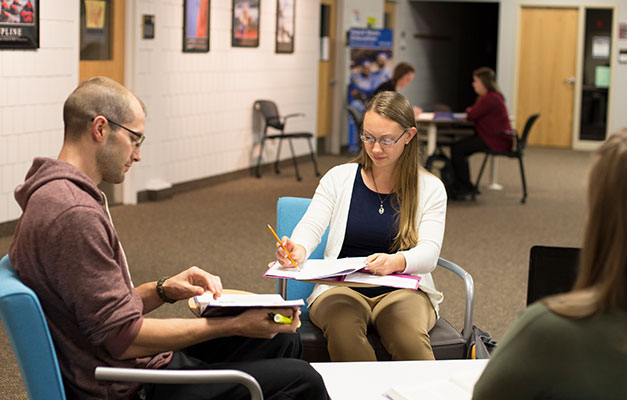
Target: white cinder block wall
{"points": [[33, 87], [200, 119]]}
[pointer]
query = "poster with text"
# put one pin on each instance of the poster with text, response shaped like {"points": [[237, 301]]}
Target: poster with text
{"points": [[19, 24], [245, 23], [196, 26], [285, 26]]}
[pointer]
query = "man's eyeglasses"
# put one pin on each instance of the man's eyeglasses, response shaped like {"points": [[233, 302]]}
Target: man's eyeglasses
{"points": [[138, 137], [384, 142]]}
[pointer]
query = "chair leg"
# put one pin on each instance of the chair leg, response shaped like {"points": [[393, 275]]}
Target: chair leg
{"points": [[524, 181], [313, 157], [278, 154], [476, 190], [258, 167], [298, 178]]}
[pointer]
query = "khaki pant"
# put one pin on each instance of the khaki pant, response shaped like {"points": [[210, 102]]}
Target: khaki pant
{"points": [[402, 318]]}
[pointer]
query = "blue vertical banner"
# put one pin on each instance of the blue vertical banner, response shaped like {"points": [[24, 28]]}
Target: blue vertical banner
{"points": [[371, 65]]}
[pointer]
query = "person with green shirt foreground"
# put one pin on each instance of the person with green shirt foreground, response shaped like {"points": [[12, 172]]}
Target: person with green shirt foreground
{"points": [[574, 345]]}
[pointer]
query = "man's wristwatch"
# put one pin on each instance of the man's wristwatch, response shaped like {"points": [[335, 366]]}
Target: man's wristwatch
{"points": [[161, 292]]}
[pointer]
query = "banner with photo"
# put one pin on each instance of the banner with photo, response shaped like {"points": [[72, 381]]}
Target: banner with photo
{"points": [[19, 24], [371, 65]]}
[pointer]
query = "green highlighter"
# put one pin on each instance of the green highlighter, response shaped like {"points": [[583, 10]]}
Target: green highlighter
{"points": [[281, 319]]}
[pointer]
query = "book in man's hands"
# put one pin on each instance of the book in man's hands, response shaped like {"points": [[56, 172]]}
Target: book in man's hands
{"points": [[233, 304], [341, 270]]}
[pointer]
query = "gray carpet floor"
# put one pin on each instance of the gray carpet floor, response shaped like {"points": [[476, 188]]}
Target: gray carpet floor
{"points": [[223, 229]]}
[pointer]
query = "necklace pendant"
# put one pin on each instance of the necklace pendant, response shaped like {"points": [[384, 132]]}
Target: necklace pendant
{"points": [[381, 210]]}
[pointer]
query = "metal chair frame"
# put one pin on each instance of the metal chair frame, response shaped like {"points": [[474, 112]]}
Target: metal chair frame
{"points": [[273, 119], [520, 143]]}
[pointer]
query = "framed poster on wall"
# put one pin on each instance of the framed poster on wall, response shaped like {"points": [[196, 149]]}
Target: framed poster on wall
{"points": [[196, 26], [285, 26], [19, 24], [245, 23]]}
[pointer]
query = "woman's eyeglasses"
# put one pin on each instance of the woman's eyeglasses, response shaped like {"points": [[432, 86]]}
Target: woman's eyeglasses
{"points": [[384, 142]]}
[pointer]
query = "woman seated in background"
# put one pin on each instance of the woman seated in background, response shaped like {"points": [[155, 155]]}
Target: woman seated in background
{"points": [[574, 345], [386, 207], [491, 119], [401, 78]]}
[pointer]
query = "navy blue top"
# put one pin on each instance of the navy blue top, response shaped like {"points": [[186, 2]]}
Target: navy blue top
{"points": [[367, 231]]}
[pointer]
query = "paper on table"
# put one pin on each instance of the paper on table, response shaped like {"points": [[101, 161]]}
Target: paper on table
{"points": [[318, 269], [230, 304], [459, 387], [426, 116], [439, 389]]}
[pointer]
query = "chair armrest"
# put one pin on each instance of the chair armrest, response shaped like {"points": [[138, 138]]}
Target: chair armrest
{"points": [[293, 115], [180, 377], [469, 286], [284, 118], [281, 287]]}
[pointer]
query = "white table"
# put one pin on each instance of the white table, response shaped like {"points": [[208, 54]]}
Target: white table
{"points": [[440, 379], [433, 124]]}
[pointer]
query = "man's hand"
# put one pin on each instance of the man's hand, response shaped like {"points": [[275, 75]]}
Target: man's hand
{"points": [[192, 282], [385, 264], [255, 323]]}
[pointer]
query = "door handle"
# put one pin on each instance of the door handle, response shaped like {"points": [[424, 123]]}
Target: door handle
{"points": [[570, 80], [332, 82]]}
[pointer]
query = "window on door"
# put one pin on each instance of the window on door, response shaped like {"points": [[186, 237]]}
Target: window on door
{"points": [[95, 30]]}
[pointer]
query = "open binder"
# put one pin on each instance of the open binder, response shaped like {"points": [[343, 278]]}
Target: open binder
{"points": [[233, 304], [348, 270]]}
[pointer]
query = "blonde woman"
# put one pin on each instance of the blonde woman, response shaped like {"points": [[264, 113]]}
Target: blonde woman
{"points": [[574, 345], [384, 206]]}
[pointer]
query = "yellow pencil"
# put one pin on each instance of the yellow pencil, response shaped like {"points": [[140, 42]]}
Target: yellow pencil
{"points": [[279, 240]]}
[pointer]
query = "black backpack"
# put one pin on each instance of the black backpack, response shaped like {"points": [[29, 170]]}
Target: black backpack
{"points": [[439, 164]]}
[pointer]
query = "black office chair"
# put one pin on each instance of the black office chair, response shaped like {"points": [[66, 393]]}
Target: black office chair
{"points": [[552, 270], [356, 115], [273, 119], [519, 146]]}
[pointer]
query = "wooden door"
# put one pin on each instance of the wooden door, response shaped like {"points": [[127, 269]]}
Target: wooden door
{"points": [[389, 10], [102, 54], [326, 78], [106, 17], [546, 70]]}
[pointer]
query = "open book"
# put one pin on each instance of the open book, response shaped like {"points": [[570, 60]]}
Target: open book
{"points": [[232, 304], [341, 270]]}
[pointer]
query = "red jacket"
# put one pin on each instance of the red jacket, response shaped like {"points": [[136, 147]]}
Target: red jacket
{"points": [[491, 118]]}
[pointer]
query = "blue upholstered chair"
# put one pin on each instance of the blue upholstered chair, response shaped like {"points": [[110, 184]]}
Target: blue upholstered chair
{"points": [[447, 342], [26, 326]]}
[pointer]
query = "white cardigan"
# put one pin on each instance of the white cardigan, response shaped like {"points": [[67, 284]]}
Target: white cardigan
{"points": [[330, 206]]}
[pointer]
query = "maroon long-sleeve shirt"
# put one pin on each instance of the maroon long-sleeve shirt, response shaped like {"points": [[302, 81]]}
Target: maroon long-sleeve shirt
{"points": [[66, 250], [491, 119]]}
